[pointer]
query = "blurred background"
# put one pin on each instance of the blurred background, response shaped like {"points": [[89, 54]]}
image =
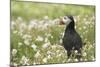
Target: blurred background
{"points": [[29, 10]]}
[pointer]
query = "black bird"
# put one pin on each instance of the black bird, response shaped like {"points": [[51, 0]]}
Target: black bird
{"points": [[71, 40]]}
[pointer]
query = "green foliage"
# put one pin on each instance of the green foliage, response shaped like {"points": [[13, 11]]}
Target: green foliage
{"points": [[38, 10]]}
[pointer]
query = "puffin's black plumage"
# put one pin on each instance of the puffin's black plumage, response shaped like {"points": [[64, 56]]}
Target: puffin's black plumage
{"points": [[71, 39]]}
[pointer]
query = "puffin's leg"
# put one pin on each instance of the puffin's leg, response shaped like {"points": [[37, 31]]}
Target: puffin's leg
{"points": [[68, 53], [79, 55]]}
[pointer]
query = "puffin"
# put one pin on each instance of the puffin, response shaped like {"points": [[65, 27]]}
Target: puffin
{"points": [[71, 39]]}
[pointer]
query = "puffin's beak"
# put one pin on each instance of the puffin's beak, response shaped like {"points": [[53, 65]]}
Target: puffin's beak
{"points": [[61, 21]]}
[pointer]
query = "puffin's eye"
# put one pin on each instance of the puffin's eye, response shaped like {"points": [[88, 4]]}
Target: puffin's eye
{"points": [[65, 18]]}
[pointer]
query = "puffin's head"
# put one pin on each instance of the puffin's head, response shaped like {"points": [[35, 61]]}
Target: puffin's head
{"points": [[66, 20]]}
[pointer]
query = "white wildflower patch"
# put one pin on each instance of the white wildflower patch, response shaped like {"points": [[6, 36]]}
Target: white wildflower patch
{"points": [[26, 36], [37, 55], [26, 41], [65, 51], [39, 38], [51, 36], [84, 27], [46, 17], [49, 52], [19, 19], [47, 48], [48, 35], [76, 51], [19, 43], [34, 47], [46, 45], [61, 41], [34, 63], [24, 60], [85, 59], [69, 60], [80, 28], [49, 57], [13, 24], [93, 58], [57, 51], [46, 40], [20, 33], [14, 51], [84, 19], [62, 34], [44, 60], [76, 60], [32, 24], [87, 23], [84, 54], [15, 31], [59, 55], [54, 46], [15, 64], [75, 27], [22, 27]]}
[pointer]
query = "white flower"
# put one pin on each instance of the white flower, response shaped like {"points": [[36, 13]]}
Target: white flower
{"points": [[22, 26], [39, 38], [14, 51], [15, 31], [48, 35], [20, 33], [75, 27], [24, 60], [46, 45], [45, 26], [84, 54], [85, 59], [37, 54], [65, 51], [61, 41], [46, 17], [26, 41], [76, 51], [45, 60], [26, 36], [32, 24], [51, 36], [81, 59], [12, 24], [49, 56], [69, 60], [58, 51], [59, 55], [76, 60], [87, 23], [48, 52], [46, 40], [53, 46], [34, 47], [34, 63], [84, 27], [80, 28], [19, 19], [84, 19], [93, 58], [20, 44], [62, 34], [15, 64]]}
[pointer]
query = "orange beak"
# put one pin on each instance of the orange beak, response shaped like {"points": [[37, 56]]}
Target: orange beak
{"points": [[61, 21]]}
